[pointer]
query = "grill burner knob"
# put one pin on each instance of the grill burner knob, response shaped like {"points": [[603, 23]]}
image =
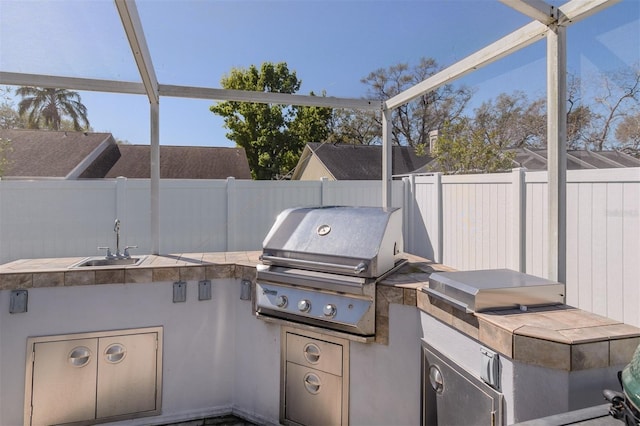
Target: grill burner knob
{"points": [[282, 301], [329, 310], [304, 305]]}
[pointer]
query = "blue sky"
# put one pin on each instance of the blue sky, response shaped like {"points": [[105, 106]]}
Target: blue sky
{"points": [[330, 44]]}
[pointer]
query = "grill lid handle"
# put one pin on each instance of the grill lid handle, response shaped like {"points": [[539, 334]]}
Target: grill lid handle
{"points": [[269, 260]]}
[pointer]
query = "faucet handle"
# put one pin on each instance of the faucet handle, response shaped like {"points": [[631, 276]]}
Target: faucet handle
{"points": [[126, 251], [109, 254]]}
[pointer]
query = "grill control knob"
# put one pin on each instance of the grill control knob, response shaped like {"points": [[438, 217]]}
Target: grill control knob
{"points": [[282, 301], [329, 310], [304, 305]]}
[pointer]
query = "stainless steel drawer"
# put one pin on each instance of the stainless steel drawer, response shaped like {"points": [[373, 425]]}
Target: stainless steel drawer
{"points": [[313, 397], [314, 353]]}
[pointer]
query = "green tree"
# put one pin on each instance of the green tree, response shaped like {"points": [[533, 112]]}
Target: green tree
{"points": [[273, 136], [5, 147], [47, 107], [9, 117], [462, 149]]}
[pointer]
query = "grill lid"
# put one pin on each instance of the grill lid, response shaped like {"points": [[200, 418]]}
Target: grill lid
{"points": [[475, 291], [358, 241]]}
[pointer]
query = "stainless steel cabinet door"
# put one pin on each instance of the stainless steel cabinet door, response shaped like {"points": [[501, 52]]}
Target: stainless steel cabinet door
{"points": [[314, 353], [126, 374], [64, 381], [313, 397], [454, 397]]}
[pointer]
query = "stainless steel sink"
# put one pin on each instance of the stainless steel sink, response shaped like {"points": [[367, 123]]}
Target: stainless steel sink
{"points": [[109, 262]]}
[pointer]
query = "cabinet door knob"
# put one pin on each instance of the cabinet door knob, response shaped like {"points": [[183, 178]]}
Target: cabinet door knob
{"points": [[312, 353], [312, 383], [115, 353], [80, 356]]}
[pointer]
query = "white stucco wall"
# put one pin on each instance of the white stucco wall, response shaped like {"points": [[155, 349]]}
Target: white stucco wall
{"points": [[200, 338], [385, 380], [529, 391], [217, 355]]}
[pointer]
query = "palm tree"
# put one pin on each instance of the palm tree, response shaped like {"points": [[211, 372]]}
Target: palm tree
{"points": [[49, 106]]}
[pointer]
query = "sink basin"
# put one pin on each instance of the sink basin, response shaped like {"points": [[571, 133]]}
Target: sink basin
{"points": [[106, 262]]}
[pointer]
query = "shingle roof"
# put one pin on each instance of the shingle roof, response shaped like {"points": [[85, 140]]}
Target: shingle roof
{"points": [[364, 162], [41, 153], [77, 155], [182, 162], [536, 159]]}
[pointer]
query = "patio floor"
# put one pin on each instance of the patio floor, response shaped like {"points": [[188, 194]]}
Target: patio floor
{"points": [[228, 420]]}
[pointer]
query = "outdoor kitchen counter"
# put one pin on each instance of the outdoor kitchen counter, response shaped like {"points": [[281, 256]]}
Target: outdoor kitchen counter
{"points": [[56, 272], [560, 337]]}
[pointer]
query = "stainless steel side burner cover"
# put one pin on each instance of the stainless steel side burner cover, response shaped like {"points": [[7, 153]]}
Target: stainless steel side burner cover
{"points": [[482, 290]]}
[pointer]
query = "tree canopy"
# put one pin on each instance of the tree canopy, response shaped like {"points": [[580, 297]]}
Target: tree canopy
{"points": [[462, 149], [5, 148], [273, 136], [602, 112], [47, 107], [412, 122]]}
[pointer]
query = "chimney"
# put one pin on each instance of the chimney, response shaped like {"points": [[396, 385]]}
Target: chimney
{"points": [[433, 139]]}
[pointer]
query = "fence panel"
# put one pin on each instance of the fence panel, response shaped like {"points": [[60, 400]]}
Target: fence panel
{"points": [[256, 204], [481, 230], [474, 222], [54, 218], [72, 218], [603, 242], [359, 193], [536, 223], [192, 216], [477, 231]]}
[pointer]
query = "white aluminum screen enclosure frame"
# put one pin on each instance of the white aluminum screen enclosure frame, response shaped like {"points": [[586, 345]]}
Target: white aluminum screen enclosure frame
{"points": [[549, 22]]}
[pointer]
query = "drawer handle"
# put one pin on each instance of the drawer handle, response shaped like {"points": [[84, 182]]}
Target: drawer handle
{"points": [[312, 353], [115, 353], [80, 356], [312, 383]]}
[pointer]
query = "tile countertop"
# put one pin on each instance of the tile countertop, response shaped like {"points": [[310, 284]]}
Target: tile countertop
{"points": [[560, 337], [56, 272]]}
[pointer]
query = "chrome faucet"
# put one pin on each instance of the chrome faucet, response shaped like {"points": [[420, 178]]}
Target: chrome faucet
{"points": [[116, 229], [117, 254]]}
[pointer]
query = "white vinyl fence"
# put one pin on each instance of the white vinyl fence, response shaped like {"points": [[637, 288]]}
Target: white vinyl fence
{"points": [[466, 222], [500, 221], [58, 218]]}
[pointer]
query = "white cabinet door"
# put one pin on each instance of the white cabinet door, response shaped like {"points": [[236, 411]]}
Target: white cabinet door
{"points": [[126, 374], [64, 381]]}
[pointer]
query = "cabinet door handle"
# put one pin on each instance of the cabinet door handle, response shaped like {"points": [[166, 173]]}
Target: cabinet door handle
{"points": [[115, 353], [312, 353], [312, 383], [79, 356]]}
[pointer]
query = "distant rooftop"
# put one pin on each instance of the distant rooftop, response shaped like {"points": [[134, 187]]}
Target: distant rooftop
{"points": [[536, 159], [354, 162], [77, 155]]}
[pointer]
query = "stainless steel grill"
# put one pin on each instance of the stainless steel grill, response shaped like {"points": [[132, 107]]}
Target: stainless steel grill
{"points": [[320, 265]]}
